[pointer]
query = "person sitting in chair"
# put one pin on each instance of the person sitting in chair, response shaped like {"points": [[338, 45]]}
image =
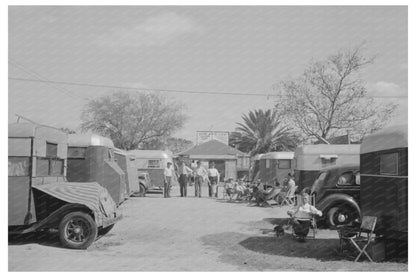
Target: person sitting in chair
{"points": [[302, 216]]}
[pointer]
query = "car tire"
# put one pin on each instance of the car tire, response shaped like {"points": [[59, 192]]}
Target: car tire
{"points": [[77, 230], [340, 215], [142, 191]]}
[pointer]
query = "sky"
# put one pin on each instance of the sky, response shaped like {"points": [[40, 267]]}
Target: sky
{"points": [[206, 48]]}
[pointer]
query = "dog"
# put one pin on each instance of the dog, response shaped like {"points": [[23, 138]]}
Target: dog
{"points": [[279, 230]]}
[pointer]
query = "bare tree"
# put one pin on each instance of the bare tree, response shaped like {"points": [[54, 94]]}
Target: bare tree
{"points": [[132, 120], [330, 98]]}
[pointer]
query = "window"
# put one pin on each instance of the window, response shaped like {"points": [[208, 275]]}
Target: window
{"points": [[42, 167], [18, 166], [357, 178], [284, 164], [328, 162], [389, 164], [267, 163], [153, 164], [51, 149], [49, 167], [76, 152], [57, 167], [346, 179]]}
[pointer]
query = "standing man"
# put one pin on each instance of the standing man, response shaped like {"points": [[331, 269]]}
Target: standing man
{"points": [[168, 175], [200, 175], [183, 173], [214, 179]]}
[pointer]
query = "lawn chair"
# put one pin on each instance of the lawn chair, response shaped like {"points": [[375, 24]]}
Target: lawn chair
{"points": [[289, 197], [355, 237], [272, 195], [312, 219]]}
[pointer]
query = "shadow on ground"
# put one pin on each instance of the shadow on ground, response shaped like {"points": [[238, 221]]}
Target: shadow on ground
{"points": [[41, 238]]}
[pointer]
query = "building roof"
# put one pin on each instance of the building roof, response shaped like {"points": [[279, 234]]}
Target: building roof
{"points": [[388, 138], [213, 148]]}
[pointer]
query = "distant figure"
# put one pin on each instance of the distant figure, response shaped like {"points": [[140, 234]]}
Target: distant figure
{"points": [[214, 179], [200, 175], [168, 174], [183, 172], [291, 181]]}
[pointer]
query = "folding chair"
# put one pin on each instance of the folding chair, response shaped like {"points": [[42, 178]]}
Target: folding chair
{"points": [[272, 195], [289, 197], [355, 237]]}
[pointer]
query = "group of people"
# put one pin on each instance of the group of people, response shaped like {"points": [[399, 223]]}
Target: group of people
{"points": [[300, 214], [200, 175]]}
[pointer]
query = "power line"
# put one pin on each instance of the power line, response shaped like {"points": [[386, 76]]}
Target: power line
{"points": [[166, 90], [145, 89], [39, 78]]}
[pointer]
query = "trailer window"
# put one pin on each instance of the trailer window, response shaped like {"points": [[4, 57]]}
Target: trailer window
{"points": [[153, 164], [51, 149], [57, 167], [284, 164], [42, 167], [18, 166], [389, 164], [77, 152], [328, 162]]}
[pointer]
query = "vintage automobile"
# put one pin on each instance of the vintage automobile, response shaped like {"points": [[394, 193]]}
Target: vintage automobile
{"points": [[145, 183], [41, 199], [337, 194]]}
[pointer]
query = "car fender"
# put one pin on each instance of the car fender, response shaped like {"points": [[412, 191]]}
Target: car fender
{"points": [[54, 218], [335, 199]]}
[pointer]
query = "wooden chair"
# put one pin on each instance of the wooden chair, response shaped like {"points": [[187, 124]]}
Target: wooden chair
{"points": [[356, 238]]}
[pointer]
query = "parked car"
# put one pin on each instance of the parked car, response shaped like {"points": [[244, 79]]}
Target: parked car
{"points": [[337, 194], [145, 183], [41, 199]]}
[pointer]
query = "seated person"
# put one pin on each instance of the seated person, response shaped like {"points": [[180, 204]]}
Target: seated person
{"points": [[241, 189], [302, 216], [229, 187]]}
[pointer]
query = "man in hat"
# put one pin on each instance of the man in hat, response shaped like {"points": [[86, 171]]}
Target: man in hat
{"points": [[168, 175], [200, 175], [183, 171], [214, 179]]}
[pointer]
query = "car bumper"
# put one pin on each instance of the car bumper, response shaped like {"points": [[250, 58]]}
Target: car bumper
{"points": [[116, 216]]}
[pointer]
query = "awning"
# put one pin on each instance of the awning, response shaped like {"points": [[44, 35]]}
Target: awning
{"points": [[328, 157]]}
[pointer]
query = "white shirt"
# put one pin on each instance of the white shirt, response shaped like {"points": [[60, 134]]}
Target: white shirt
{"points": [[168, 172], [213, 172], [306, 211]]}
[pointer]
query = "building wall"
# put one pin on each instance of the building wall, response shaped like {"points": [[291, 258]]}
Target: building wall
{"points": [[231, 169]]}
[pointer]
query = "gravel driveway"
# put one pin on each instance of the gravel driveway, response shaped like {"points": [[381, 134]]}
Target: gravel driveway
{"points": [[190, 234]]}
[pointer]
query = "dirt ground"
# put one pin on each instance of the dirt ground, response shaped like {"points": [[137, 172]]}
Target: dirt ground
{"points": [[191, 234]]}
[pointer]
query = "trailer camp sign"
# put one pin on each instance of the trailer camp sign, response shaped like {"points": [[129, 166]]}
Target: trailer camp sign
{"points": [[204, 136]]}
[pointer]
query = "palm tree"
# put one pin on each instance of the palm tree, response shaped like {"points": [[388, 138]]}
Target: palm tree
{"points": [[262, 132]]}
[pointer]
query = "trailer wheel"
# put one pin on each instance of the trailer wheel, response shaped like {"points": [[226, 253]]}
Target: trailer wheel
{"points": [[77, 230], [341, 215]]}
